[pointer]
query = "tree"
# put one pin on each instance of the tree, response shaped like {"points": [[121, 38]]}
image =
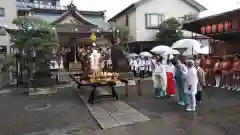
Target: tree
{"points": [[120, 34], [34, 40], [169, 31], [119, 62]]}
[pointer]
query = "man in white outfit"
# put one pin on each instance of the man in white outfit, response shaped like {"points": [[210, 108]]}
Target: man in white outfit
{"points": [[142, 66], [136, 68], [191, 85]]}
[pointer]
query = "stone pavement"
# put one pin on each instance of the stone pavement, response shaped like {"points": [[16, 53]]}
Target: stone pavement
{"points": [[219, 114], [111, 113], [67, 114]]}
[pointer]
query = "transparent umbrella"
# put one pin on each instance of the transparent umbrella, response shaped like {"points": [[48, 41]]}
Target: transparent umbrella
{"points": [[146, 54], [186, 44], [132, 55], [162, 49], [175, 52]]}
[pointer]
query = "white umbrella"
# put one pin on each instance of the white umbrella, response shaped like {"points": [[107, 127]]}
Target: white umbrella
{"points": [[162, 49], [175, 52], [132, 55], [146, 54], [187, 43], [191, 51], [205, 50]]}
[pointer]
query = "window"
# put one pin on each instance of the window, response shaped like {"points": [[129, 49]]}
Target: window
{"points": [[2, 12], [3, 49], [126, 20], [153, 20], [2, 31]]}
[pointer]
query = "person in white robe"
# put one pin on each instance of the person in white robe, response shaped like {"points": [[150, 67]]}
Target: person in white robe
{"points": [[131, 64], [159, 78], [142, 66], [135, 63], [191, 85], [149, 66]]}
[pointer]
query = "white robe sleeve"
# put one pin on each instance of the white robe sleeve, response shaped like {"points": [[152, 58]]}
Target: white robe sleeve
{"points": [[184, 70]]}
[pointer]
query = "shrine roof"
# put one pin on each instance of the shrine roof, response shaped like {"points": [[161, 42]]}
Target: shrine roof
{"points": [[84, 20], [72, 11], [194, 25]]}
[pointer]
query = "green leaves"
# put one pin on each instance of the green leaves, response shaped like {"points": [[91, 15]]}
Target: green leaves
{"points": [[34, 36], [169, 31]]}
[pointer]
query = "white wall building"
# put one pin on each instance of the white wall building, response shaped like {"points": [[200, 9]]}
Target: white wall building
{"points": [[7, 14], [144, 17]]}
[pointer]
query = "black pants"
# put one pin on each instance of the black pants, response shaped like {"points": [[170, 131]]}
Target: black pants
{"points": [[199, 96], [142, 73]]}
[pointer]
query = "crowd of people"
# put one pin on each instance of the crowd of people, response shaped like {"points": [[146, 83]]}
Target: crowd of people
{"points": [[221, 72], [140, 66], [187, 78]]}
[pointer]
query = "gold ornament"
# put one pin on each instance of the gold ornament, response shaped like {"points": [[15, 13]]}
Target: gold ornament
{"points": [[93, 37]]}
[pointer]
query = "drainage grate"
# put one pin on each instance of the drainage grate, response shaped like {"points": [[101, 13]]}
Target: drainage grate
{"points": [[38, 107]]}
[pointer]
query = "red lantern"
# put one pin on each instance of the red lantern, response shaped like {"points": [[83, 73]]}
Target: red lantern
{"points": [[214, 28], [226, 26], [208, 29], [220, 27], [203, 29]]}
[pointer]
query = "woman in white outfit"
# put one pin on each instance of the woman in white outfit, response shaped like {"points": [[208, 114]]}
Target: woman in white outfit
{"points": [[191, 85], [159, 78]]}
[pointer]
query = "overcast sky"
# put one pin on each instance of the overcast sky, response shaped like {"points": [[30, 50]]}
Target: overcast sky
{"points": [[114, 6]]}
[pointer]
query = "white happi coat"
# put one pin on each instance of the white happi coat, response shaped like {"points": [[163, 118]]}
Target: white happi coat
{"points": [[191, 82], [149, 64], [142, 64], [136, 66], [131, 64]]}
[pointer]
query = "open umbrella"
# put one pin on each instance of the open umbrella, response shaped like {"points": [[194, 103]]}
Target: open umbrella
{"points": [[186, 44], [191, 52], [175, 52], [204, 50], [162, 49], [132, 55], [146, 54]]}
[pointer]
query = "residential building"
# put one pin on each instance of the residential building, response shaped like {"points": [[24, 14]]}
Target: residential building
{"points": [[144, 17], [7, 14]]}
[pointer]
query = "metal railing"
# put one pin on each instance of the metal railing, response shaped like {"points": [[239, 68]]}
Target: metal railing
{"points": [[39, 6]]}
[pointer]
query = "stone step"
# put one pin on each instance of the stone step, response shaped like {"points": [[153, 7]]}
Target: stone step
{"points": [[111, 113]]}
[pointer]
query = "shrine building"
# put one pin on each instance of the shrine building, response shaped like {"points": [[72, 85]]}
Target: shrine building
{"points": [[223, 29]]}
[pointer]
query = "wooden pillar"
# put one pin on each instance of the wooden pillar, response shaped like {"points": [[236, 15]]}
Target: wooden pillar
{"points": [[126, 89], [138, 82]]}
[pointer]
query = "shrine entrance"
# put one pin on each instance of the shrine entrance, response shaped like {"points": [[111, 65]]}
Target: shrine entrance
{"points": [[74, 32]]}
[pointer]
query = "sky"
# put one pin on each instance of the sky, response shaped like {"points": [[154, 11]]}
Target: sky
{"points": [[112, 7]]}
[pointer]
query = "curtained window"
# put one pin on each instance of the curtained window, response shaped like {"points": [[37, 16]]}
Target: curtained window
{"points": [[153, 20]]}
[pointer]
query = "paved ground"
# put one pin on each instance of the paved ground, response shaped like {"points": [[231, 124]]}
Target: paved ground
{"points": [[110, 113], [67, 115], [218, 115]]}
